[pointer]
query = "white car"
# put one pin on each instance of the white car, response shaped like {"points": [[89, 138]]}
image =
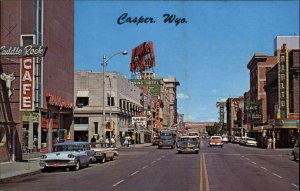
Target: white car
{"points": [[103, 152], [225, 139], [72, 155], [250, 142]]}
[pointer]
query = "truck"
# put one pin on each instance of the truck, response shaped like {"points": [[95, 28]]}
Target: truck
{"points": [[167, 138]]}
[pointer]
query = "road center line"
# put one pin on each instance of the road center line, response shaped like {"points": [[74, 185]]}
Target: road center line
{"points": [[145, 167], [135, 173], [153, 162], [247, 158], [276, 175], [253, 162], [118, 183], [263, 168], [295, 185]]}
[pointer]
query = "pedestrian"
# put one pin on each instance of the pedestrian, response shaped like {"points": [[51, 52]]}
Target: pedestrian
{"points": [[106, 142], [35, 143], [93, 142], [127, 140], [274, 142], [112, 141], [269, 143]]}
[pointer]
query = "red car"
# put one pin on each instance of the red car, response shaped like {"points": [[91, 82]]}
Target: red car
{"points": [[216, 141], [155, 140]]}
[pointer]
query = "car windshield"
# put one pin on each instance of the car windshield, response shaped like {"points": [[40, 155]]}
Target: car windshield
{"points": [[66, 148], [215, 137], [166, 137]]}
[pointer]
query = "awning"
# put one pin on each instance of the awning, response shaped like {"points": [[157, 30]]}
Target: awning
{"points": [[83, 93]]}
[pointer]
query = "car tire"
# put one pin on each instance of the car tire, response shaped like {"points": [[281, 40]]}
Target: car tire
{"points": [[221, 146], [159, 147], [179, 152], [77, 166], [196, 152], [294, 157], [103, 159]]}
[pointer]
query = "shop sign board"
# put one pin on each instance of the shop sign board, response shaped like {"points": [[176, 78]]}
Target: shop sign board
{"points": [[139, 120], [27, 84], [22, 51]]}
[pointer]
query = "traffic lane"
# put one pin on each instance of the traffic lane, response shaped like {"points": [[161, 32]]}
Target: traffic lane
{"points": [[96, 177], [279, 165], [228, 170], [277, 162], [168, 172]]}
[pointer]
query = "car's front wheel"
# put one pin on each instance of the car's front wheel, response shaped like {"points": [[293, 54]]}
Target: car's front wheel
{"points": [[103, 159], [77, 166]]}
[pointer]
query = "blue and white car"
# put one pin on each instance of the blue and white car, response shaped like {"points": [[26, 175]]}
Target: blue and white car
{"points": [[72, 155]]}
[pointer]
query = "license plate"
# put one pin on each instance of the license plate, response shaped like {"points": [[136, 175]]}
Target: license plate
{"points": [[56, 165]]}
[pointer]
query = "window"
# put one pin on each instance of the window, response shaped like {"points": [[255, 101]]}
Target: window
{"points": [[82, 101], [112, 101], [81, 120], [96, 127]]}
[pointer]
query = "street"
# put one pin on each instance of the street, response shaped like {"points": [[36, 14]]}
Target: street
{"points": [[232, 167]]}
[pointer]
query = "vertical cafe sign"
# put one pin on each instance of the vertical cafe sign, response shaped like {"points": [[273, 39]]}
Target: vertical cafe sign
{"points": [[27, 84], [27, 56]]}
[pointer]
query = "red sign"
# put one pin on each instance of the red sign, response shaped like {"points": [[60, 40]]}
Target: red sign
{"points": [[27, 84]]}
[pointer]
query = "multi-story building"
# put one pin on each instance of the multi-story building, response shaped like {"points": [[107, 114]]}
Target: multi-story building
{"points": [[282, 89], [258, 66], [235, 112], [36, 92], [171, 91], [114, 118]]}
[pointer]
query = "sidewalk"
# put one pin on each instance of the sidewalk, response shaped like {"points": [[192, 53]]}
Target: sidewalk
{"points": [[12, 169], [32, 166]]}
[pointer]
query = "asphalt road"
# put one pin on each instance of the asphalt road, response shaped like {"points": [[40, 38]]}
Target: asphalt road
{"points": [[230, 168]]}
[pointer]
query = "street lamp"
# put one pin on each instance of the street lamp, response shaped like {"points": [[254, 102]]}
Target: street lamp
{"points": [[104, 64]]}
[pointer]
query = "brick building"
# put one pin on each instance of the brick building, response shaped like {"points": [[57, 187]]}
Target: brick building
{"points": [[46, 24], [282, 89]]}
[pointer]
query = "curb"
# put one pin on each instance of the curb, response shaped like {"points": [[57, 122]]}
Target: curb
{"points": [[7, 179]]}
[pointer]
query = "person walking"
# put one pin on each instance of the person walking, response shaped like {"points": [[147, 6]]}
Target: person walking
{"points": [[274, 142], [112, 141], [269, 143]]}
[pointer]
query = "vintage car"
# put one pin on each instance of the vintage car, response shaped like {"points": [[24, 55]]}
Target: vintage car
{"points": [[188, 144], [67, 155], [216, 141], [155, 140], [103, 152]]}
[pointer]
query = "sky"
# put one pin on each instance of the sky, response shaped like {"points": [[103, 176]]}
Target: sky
{"points": [[207, 52]]}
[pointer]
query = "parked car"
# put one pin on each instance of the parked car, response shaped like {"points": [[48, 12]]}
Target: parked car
{"points": [[236, 139], [250, 142], [188, 144], [103, 152], [225, 138], [73, 155], [155, 140], [242, 141], [295, 151], [216, 141]]}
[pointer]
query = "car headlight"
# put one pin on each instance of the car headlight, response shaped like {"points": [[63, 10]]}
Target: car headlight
{"points": [[43, 156], [71, 156]]}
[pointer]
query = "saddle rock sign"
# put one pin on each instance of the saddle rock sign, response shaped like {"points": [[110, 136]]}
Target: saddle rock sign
{"points": [[27, 84]]}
